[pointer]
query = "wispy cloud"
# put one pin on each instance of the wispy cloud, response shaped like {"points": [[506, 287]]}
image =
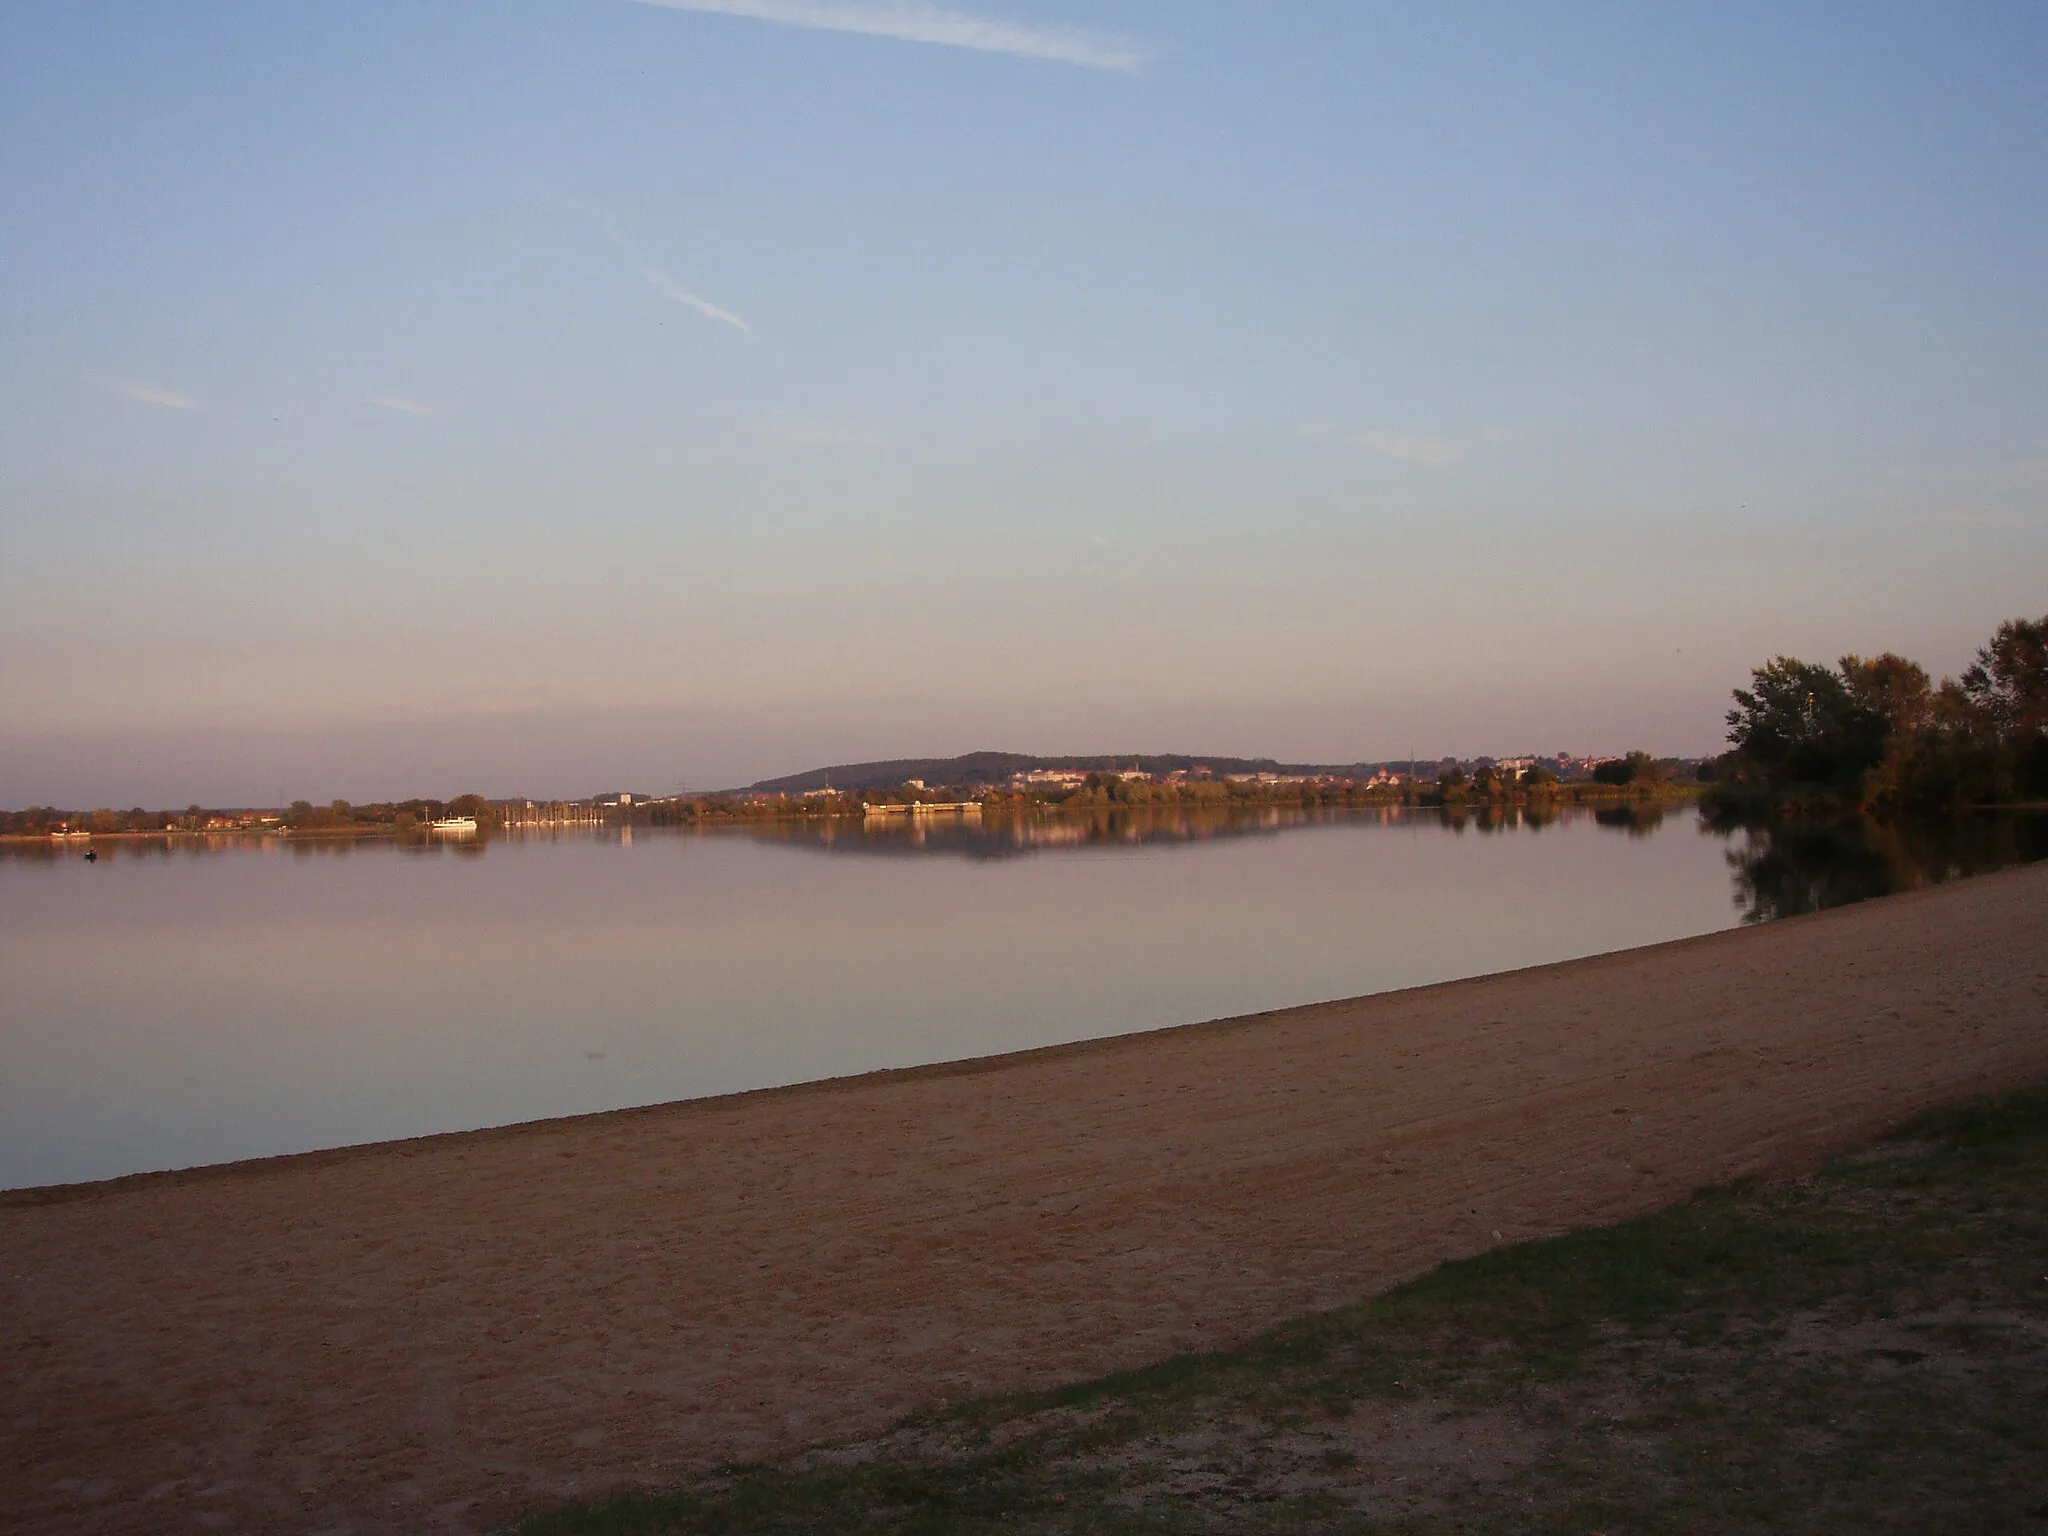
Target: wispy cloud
{"points": [[661, 281], [676, 293], [150, 394], [1410, 447], [400, 403], [919, 21]]}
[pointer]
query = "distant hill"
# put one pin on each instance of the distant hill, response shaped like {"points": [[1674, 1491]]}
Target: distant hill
{"points": [[984, 768]]}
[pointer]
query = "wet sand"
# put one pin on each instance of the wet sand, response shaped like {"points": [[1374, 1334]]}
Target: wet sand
{"points": [[439, 1335]]}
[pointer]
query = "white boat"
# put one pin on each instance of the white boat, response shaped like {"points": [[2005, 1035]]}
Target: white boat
{"points": [[456, 826]]}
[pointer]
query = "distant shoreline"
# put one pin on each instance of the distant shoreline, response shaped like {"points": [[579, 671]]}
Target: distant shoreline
{"points": [[677, 815]]}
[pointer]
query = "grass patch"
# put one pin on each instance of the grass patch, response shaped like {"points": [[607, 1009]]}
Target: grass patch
{"points": [[1863, 1350]]}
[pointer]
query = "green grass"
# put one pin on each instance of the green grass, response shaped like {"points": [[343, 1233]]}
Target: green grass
{"points": [[1865, 1350]]}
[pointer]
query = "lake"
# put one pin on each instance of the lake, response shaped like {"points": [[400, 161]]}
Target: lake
{"points": [[185, 1002]]}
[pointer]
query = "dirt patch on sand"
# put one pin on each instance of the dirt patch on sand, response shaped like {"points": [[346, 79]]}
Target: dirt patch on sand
{"points": [[437, 1335]]}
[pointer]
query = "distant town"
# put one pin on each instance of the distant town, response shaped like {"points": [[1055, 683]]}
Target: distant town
{"points": [[973, 785]]}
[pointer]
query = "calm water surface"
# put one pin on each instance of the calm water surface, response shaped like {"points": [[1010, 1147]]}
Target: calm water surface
{"points": [[175, 1004]]}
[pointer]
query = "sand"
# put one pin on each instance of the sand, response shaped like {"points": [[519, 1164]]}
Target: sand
{"points": [[439, 1335]]}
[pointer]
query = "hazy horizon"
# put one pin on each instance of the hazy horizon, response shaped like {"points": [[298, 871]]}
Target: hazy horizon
{"points": [[284, 794], [566, 394]]}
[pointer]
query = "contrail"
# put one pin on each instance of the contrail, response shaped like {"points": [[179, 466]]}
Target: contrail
{"points": [[661, 282], [919, 21]]}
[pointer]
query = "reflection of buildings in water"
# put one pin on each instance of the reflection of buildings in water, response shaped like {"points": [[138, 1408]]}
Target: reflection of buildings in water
{"points": [[1027, 834], [1132, 826], [1005, 833], [915, 809]]}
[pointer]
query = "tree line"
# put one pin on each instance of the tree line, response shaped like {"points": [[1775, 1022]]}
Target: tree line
{"points": [[1877, 734], [338, 817]]}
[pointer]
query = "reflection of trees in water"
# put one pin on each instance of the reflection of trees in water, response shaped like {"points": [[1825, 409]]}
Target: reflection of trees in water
{"points": [[1490, 816], [1012, 836], [1001, 836], [1784, 868], [1636, 820]]}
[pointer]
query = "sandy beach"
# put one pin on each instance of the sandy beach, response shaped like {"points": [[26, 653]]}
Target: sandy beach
{"points": [[438, 1335]]}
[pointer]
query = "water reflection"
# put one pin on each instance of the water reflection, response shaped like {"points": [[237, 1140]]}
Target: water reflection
{"points": [[1005, 836], [194, 999], [1784, 868], [1635, 820], [1779, 868], [186, 845]]}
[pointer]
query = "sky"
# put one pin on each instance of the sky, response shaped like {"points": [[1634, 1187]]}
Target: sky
{"points": [[554, 396]]}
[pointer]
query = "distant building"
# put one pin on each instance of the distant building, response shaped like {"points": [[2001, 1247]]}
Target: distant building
{"points": [[1048, 778]]}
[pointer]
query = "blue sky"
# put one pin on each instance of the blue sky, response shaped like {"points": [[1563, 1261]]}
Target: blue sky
{"points": [[543, 397]]}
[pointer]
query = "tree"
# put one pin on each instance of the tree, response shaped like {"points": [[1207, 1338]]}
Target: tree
{"points": [[1638, 768], [2005, 694], [1896, 693], [2008, 683], [1876, 734], [1892, 688], [475, 805], [1800, 723]]}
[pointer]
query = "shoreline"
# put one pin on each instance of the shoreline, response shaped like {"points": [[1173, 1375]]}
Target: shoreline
{"points": [[963, 1066], [439, 1334], [996, 803]]}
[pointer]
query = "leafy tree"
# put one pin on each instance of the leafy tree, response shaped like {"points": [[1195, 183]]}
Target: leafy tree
{"points": [[1893, 689], [1800, 723], [474, 805], [2004, 694], [1644, 769], [1896, 692], [1877, 734], [1638, 768], [2008, 683]]}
